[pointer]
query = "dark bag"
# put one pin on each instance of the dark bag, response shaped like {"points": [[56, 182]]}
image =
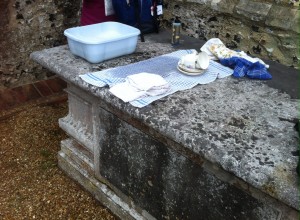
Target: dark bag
{"points": [[141, 14]]}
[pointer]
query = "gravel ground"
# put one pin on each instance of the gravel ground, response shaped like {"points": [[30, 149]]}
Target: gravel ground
{"points": [[31, 184]]}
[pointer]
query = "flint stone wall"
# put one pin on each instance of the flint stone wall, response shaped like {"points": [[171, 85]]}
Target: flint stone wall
{"points": [[27, 26], [267, 29]]}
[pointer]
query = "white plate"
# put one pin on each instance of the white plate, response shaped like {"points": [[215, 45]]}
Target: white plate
{"points": [[190, 72]]}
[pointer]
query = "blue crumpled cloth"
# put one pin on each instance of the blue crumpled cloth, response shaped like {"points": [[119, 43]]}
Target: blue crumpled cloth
{"points": [[242, 67]]}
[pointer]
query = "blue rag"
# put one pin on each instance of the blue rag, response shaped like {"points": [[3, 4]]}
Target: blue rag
{"points": [[242, 67]]}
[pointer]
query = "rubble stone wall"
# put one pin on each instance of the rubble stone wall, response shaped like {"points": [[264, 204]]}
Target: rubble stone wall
{"points": [[27, 26], [267, 29]]}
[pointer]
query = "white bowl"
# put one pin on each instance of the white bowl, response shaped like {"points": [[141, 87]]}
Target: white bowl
{"points": [[102, 41]]}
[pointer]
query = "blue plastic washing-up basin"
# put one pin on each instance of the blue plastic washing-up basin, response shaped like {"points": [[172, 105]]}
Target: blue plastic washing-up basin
{"points": [[102, 41]]}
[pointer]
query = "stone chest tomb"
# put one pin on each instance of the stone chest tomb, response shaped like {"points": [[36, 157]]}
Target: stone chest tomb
{"points": [[217, 151]]}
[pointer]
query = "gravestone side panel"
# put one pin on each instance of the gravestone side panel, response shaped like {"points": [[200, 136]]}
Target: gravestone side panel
{"points": [[165, 183]]}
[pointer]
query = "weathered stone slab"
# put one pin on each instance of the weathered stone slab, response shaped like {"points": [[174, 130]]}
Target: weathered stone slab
{"points": [[200, 1], [224, 6], [255, 11], [283, 17]]}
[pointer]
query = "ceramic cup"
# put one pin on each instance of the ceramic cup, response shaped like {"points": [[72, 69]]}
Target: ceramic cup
{"points": [[189, 60], [202, 60], [196, 61]]}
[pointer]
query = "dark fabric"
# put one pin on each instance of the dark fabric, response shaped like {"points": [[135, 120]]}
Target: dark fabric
{"points": [[93, 11], [242, 67], [137, 13]]}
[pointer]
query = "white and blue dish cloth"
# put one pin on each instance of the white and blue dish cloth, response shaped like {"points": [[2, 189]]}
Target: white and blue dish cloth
{"points": [[139, 86], [239, 61], [164, 66]]}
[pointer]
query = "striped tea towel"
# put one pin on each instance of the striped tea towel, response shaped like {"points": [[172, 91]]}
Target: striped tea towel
{"points": [[165, 66]]}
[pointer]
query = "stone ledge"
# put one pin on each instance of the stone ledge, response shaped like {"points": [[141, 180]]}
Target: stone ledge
{"points": [[223, 6], [99, 190], [255, 11], [283, 17], [76, 130], [78, 154]]}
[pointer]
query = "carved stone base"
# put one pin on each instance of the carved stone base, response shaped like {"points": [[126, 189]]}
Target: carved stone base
{"points": [[77, 166]]}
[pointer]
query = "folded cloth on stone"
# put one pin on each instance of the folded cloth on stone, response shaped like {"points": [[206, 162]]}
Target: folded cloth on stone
{"points": [[242, 67], [217, 50], [140, 85], [147, 81], [165, 66]]}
